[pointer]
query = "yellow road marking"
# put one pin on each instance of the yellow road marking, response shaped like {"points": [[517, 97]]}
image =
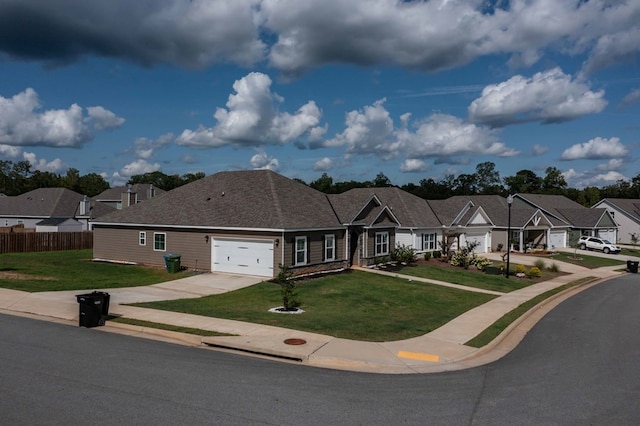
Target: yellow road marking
{"points": [[418, 356]]}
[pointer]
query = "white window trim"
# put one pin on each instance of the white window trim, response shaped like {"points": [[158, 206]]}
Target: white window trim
{"points": [[142, 238], [296, 251], [379, 248], [165, 241], [433, 239], [332, 247]]}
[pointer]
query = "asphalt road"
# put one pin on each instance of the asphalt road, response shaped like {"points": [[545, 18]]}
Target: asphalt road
{"points": [[580, 365]]}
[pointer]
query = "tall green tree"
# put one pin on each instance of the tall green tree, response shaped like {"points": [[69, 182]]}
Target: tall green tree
{"points": [[554, 182], [525, 182], [488, 180], [323, 184]]}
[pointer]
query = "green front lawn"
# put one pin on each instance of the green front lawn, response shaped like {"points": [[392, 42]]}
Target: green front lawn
{"points": [[354, 305], [436, 270], [582, 258], [72, 270]]}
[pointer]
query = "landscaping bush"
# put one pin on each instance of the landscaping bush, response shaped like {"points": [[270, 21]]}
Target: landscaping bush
{"points": [[554, 268], [287, 289], [403, 253], [480, 262], [437, 254], [534, 272], [427, 255], [520, 269], [539, 264], [499, 247]]}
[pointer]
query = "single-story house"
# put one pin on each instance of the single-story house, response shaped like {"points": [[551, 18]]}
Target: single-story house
{"points": [[32, 207], [626, 214], [247, 222], [59, 224], [569, 219], [410, 221]]}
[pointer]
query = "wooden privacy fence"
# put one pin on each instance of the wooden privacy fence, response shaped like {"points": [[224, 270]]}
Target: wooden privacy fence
{"points": [[23, 242]]}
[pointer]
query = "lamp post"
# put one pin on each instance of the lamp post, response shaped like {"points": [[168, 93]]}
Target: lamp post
{"points": [[509, 202]]}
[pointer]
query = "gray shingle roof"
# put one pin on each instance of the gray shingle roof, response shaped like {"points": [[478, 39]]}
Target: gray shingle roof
{"points": [[254, 199], [115, 194], [410, 210], [630, 206], [565, 210], [42, 202]]}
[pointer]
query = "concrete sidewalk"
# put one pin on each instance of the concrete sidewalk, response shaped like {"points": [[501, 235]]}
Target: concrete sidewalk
{"points": [[443, 349]]}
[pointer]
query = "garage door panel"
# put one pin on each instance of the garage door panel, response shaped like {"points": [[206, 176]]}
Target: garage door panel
{"points": [[243, 257]]}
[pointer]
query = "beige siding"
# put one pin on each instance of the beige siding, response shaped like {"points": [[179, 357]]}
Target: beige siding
{"points": [[122, 244], [315, 246], [371, 240]]}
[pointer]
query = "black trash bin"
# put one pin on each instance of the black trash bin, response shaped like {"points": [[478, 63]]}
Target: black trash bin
{"points": [[94, 308], [632, 266]]}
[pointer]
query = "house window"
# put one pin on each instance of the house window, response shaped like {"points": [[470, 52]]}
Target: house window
{"points": [[429, 241], [382, 243], [330, 247], [301, 250], [159, 241], [20, 222], [119, 205], [142, 239]]}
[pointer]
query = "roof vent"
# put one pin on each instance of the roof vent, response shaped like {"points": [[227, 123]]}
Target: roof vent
{"points": [[222, 194]]}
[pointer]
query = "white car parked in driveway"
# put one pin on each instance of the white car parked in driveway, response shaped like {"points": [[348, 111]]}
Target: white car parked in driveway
{"points": [[594, 243]]}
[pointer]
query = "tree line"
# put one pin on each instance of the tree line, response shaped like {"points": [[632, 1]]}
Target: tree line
{"points": [[18, 178], [487, 181]]}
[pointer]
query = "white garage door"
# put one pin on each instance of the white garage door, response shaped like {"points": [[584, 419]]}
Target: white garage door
{"points": [[248, 257], [607, 234], [556, 240], [481, 239]]}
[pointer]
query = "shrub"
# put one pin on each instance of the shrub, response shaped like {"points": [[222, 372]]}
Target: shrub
{"points": [[287, 289], [437, 254], [534, 272], [403, 253], [539, 264], [481, 262], [427, 255], [554, 268], [520, 269], [499, 247]]}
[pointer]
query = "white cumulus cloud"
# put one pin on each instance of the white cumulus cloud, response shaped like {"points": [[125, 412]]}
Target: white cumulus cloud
{"points": [[323, 165], [102, 118], [596, 149], [413, 166], [263, 161], [53, 166], [253, 119], [24, 123], [550, 97]]}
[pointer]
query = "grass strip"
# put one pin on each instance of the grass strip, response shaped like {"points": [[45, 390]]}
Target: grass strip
{"points": [[500, 325], [168, 327]]}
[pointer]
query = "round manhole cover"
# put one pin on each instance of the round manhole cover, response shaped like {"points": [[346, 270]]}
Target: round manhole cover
{"points": [[295, 342]]}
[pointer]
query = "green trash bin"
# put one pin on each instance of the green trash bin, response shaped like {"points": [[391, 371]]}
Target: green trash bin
{"points": [[172, 262]]}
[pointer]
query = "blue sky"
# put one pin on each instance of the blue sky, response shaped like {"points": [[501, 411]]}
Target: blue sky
{"points": [[412, 89]]}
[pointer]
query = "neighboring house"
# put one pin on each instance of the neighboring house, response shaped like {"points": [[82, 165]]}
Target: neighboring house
{"points": [[626, 214], [569, 219], [34, 206], [59, 224], [245, 222], [121, 197], [409, 220]]}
